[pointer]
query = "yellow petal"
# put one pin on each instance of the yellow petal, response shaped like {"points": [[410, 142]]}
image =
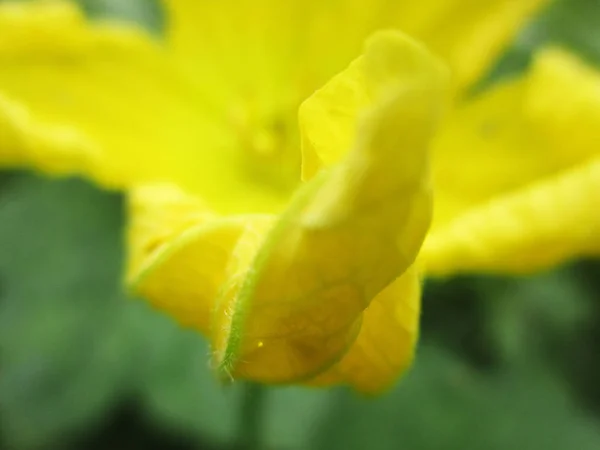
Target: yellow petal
{"points": [[385, 345], [54, 149], [523, 131], [296, 292], [179, 251], [467, 34], [103, 100], [470, 34], [296, 46], [328, 119], [484, 149], [547, 222], [564, 105], [216, 39]]}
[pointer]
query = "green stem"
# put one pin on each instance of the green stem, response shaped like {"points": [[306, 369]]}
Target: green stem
{"points": [[251, 415]]}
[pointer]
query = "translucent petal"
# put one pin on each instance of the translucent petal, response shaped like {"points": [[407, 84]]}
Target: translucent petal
{"points": [[385, 345]]}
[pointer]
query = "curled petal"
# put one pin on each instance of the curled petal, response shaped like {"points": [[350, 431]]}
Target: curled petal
{"points": [[328, 119], [295, 307]]}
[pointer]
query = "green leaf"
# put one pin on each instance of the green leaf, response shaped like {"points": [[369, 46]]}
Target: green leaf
{"points": [[536, 316], [148, 13], [72, 345], [61, 334], [176, 385], [570, 24], [444, 404]]}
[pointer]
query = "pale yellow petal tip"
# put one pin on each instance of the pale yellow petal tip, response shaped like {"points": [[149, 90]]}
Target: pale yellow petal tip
{"points": [[394, 58], [393, 65]]}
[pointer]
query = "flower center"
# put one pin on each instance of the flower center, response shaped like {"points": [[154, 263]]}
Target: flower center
{"points": [[269, 148]]}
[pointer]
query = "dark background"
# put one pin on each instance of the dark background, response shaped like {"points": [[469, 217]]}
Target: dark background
{"points": [[504, 363]]}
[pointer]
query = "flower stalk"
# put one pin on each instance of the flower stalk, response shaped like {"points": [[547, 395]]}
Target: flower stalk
{"points": [[251, 417]]}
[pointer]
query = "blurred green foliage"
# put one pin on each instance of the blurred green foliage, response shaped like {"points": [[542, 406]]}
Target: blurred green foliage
{"points": [[503, 362]]}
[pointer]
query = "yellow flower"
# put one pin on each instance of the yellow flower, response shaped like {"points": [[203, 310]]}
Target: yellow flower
{"points": [[293, 281]]}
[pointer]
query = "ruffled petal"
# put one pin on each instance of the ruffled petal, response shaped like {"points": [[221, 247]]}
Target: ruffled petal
{"points": [[296, 296], [490, 156], [328, 119]]}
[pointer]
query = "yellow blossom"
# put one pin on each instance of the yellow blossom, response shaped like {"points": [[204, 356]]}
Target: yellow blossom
{"points": [[291, 246], [282, 296]]}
